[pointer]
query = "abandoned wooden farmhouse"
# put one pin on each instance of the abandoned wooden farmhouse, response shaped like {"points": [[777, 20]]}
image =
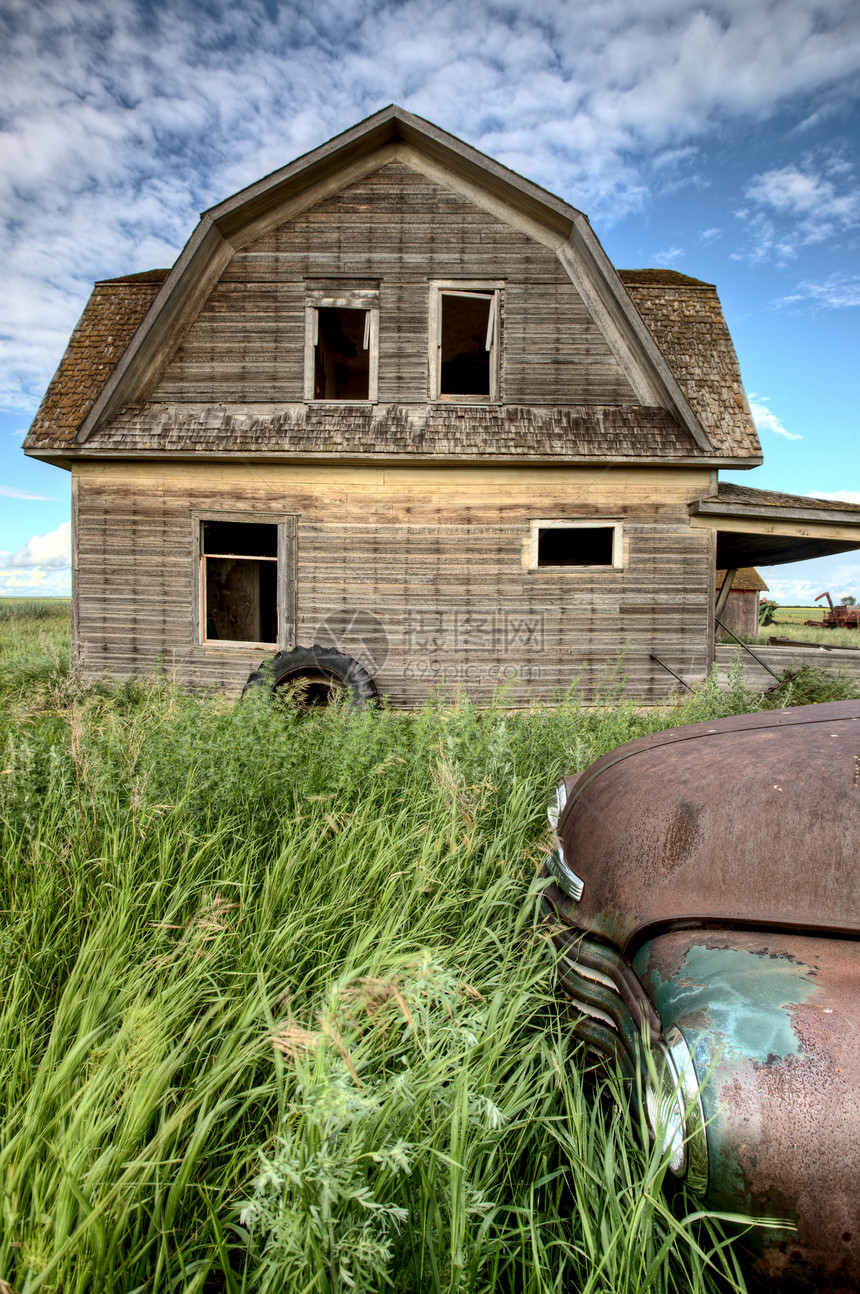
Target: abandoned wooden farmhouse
{"points": [[394, 400]]}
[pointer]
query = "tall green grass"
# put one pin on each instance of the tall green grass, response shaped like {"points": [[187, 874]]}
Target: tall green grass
{"points": [[35, 642], [276, 1014]]}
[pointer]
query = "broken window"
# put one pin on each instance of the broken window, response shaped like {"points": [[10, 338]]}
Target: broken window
{"points": [[466, 334], [341, 354], [239, 581], [557, 544], [341, 330]]}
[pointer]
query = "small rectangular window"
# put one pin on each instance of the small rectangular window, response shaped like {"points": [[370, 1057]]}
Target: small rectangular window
{"points": [[341, 344], [464, 330], [341, 354], [466, 343], [239, 581], [556, 544]]}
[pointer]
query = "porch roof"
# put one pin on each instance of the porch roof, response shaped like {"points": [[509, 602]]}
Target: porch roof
{"points": [[769, 528]]}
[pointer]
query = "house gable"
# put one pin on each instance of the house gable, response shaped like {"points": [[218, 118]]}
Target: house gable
{"points": [[217, 361], [391, 136], [394, 232]]}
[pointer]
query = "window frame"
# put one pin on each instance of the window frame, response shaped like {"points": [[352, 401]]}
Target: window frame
{"points": [[463, 287], [580, 523], [285, 582], [344, 299]]}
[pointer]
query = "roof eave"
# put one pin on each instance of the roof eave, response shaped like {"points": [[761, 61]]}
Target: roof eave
{"points": [[65, 456], [761, 534], [774, 512]]}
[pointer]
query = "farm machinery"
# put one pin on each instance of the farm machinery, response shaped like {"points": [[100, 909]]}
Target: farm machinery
{"points": [[841, 617]]}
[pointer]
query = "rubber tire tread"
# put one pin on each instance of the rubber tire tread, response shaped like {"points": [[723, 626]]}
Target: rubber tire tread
{"points": [[285, 666]]}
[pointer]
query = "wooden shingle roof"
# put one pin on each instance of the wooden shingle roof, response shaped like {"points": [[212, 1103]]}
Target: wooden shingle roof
{"points": [[686, 320], [102, 333], [117, 307], [746, 578], [728, 494], [436, 431]]}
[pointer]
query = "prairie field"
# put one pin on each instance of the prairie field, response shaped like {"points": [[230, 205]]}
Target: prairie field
{"points": [[789, 622], [276, 1013], [797, 615]]}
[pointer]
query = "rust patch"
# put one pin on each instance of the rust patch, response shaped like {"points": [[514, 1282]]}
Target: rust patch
{"points": [[683, 835]]}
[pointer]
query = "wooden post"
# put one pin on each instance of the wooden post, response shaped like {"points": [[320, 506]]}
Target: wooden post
{"points": [[728, 581]]}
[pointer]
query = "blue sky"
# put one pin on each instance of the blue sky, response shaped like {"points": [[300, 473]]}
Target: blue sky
{"points": [[721, 141]]}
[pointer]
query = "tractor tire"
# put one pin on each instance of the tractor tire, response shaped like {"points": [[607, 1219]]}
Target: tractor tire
{"points": [[323, 674]]}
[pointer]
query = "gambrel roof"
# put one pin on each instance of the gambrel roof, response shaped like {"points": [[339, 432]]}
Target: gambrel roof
{"points": [[686, 320], [108, 323], [665, 331]]}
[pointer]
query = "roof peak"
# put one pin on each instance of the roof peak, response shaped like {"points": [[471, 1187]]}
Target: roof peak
{"points": [[390, 125]]}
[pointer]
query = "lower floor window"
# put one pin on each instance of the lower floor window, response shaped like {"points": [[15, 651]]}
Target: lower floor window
{"points": [[555, 543], [239, 581]]}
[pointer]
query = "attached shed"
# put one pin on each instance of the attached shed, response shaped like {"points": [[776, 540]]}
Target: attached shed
{"points": [[395, 400], [740, 609]]}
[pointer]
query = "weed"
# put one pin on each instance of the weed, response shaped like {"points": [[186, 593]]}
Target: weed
{"points": [[809, 685]]}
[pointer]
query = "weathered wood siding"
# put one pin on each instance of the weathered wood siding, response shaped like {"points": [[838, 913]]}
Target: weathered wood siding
{"points": [[438, 555], [403, 229], [843, 660]]}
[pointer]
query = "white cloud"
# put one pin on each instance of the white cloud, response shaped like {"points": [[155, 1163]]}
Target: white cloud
{"points": [[797, 593], [798, 205], [669, 256], [840, 496], [803, 592], [9, 492], [45, 552], [799, 583], [123, 119], [838, 291], [35, 582], [806, 196], [766, 420]]}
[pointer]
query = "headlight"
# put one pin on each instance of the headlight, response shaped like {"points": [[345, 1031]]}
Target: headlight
{"points": [[565, 878], [555, 806], [673, 1109]]}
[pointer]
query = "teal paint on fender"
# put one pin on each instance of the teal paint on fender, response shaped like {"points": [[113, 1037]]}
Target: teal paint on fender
{"points": [[744, 997], [734, 1008]]}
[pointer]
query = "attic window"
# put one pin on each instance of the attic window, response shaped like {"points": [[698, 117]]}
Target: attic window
{"points": [[341, 346], [239, 581], [570, 544], [465, 326], [341, 354]]}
